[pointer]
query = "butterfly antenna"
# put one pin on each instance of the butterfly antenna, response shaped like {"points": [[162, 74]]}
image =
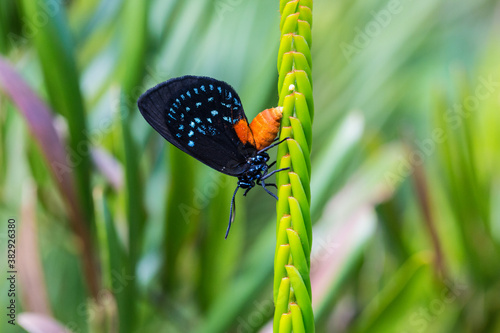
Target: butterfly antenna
{"points": [[232, 211]]}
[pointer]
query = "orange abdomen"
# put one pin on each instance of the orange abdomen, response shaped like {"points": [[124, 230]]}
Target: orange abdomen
{"points": [[264, 127]]}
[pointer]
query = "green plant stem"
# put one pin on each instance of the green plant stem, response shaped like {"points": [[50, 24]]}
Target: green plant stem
{"points": [[294, 231], [131, 70]]}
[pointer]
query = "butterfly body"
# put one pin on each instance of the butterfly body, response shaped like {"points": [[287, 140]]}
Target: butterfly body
{"points": [[262, 130], [257, 167], [204, 117]]}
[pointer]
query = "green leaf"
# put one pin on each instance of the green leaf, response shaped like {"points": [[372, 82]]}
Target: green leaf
{"points": [[281, 302], [300, 137], [300, 195], [287, 88], [134, 26], [281, 236], [282, 257], [285, 46], [298, 225], [297, 320], [303, 47], [290, 24], [282, 209], [299, 165], [304, 86], [181, 212], [286, 66], [39, 119], [282, 178], [394, 299], [288, 108], [285, 323], [300, 256], [305, 13], [304, 116], [286, 132], [306, 3], [302, 297], [56, 53], [289, 8], [301, 63], [115, 251], [217, 255], [305, 31]]}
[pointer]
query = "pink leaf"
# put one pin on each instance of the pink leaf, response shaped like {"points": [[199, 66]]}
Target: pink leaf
{"points": [[38, 323], [40, 123]]}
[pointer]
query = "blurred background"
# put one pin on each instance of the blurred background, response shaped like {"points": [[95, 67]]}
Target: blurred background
{"points": [[119, 231]]}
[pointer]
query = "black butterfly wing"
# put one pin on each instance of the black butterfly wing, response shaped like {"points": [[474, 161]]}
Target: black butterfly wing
{"points": [[197, 115]]}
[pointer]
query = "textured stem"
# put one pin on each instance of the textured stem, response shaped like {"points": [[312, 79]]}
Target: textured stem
{"points": [[292, 286]]}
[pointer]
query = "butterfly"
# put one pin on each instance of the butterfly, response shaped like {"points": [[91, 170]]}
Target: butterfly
{"points": [[204, 118]]}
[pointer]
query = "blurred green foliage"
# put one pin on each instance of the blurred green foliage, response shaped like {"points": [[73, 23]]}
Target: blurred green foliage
{"points": [[405, 166]]}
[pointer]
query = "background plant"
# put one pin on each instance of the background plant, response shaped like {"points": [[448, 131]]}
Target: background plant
{"points": [[404, 175]]}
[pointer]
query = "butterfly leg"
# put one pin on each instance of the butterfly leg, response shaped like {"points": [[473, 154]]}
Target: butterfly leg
{"points": [[273, 145], [232, 211], [263, 184], [267, 175]]}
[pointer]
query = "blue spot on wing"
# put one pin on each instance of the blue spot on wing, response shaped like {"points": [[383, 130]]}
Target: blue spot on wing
{"points": [[212, 130], [203, 108], [229, 120]]}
